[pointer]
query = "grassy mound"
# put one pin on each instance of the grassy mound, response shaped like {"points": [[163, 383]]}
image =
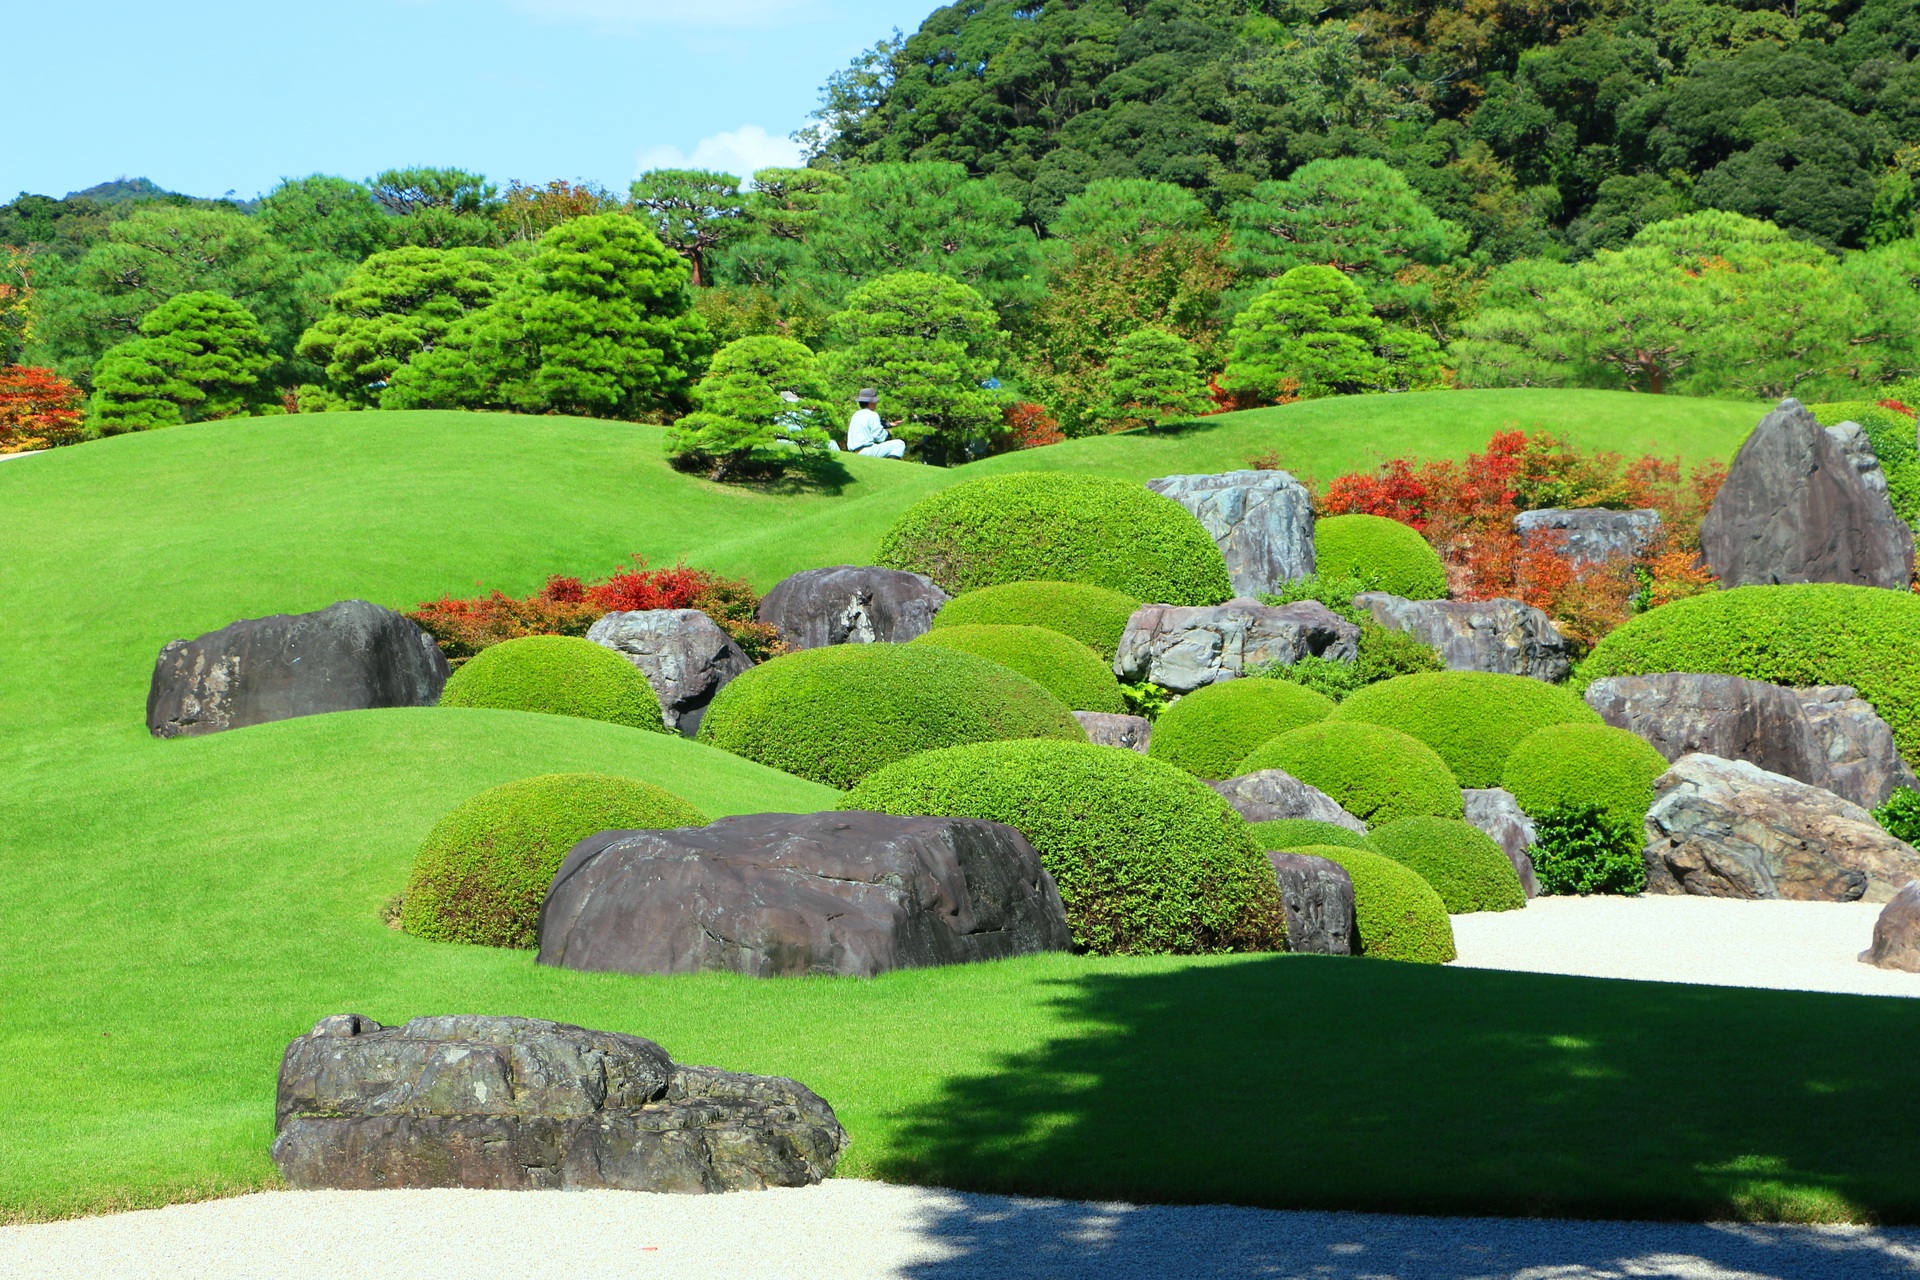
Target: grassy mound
{"points": [[1462, 863], [1297, 833], [1579, 764], [559, 675], [1057, 663], [1384, 553], [1374, 773], [1472, 719], [1396, 914], [1147, 859], [1211, 730], [1092, 615]]}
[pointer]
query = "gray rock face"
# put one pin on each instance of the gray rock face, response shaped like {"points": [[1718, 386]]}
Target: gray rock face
{"points": [[1318, 896], [1589, 535], [781, 894], [527, 1104], [1896, 934], [1506, 637], [1863, 764], [1105, 729], [346, 657], [1272, 794], [1185, 648], [1262, 521], [851, 604], [1853, 442], [1730, 829], [1797, 508], [683, 654], [1499, 815]]}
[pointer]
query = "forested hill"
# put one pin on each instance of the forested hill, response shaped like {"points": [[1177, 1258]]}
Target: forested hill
{"points": [[1529, 123]]}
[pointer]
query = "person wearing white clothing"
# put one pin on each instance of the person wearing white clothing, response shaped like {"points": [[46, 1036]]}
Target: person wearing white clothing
{"points": [[866, 434]]}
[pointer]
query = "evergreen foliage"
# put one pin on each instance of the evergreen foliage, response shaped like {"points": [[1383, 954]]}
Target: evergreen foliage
{"points": [[1396, 914], [1462, 863], [1584, 764], [1153, 380], [1374, 773], [1094, 616], [1057, 663], [1211, 730], [557, 675], [759, 392], [1383, 554], [1313, 333], [199, 356], [1290, 834], [1473, 719]]}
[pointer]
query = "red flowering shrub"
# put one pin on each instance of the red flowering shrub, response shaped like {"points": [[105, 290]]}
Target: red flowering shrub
{"points": [[1896, 406], [1030, 426], [39, 409]]}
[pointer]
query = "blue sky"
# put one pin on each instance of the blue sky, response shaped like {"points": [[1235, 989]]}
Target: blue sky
{"points": [[207, 96]]}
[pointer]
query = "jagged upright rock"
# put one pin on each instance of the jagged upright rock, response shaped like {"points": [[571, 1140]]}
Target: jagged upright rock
{"points": [[1184, 648], [1262, 521], [1506, 637], [1317, 895], [1495, 812], [851, 604], [1271, 794], [1684, 713], [1863, 762], [683, 654], [1590, 535]]}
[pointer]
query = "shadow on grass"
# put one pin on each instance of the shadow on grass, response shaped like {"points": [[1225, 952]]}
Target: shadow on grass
{"points": [[781, 473]]}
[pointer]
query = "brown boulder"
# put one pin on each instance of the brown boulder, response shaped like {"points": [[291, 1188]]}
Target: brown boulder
{"points": [[1896, 934]]}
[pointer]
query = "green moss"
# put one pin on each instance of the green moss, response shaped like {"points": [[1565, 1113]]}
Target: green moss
{"points": [[836, 714], [1058, 663], [1462, 863], [484, 869], [560, 675], [1387, 555], [1579, 764], [1295, 833], [1092, 615], [1032, 526], [1471, 718], [1210, 731], [1396, 914], [1147, 858], [1374, 773]]}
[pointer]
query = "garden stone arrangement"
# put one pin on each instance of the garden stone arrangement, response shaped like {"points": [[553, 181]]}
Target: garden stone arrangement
{"points": [[1183, 649], [851, 604], [1589, 535], [684, 656], [1262, 521], [1505, 637]]}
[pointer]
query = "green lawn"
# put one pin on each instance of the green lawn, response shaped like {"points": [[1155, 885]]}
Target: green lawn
{"points": [[172, 912]]}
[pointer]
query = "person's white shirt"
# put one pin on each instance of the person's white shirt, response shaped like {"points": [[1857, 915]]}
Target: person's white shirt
{"points": [[865, 429]]}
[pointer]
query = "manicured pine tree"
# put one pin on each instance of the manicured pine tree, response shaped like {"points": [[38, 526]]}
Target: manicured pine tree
{"points": [[198, 357], [744, 405], [1154, 379]]}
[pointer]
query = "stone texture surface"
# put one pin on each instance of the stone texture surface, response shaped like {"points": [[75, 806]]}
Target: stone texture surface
{"points": [[1863, 764], [1183, 648], [346, 657], [1262, 521], [527, 1104], [781, 894], [1590, 535], [1853, 442], [1896, 934], [683, 654], [1730, 829], [1506, 637], [1318, 896], [1272, 794], [1796, 507], [1105, 729], [851, 604], [1497, 813], [1680, 714]]}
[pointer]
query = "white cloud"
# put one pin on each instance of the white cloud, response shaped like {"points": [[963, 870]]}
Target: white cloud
{"points": [[632, 13], [737, 151]]}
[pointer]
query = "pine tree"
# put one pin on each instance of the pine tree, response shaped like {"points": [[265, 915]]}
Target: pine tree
{"points": [[1154, 379]]}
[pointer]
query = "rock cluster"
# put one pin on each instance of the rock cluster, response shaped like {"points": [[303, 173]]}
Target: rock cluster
{"points": [[1505, 637], [851, 604], [1272, 794], [1317, 894], [1262, 521], [681, 652], [1183, 648]]}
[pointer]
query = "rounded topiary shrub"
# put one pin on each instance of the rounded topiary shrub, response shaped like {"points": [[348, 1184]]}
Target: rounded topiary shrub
{"points": [[1396, 914], [1092, 615], [1148, 859], [1383, 553], [1209, 732], [1581, 764], [484, 869], [1059, 527], [1462, 863], [560, 675], [1806, 634], [1293, 833], [1472, 719], [1059, 664], [1374, 773], [836, 714]]}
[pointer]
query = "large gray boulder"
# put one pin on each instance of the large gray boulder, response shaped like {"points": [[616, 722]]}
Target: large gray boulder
{"points": [[1318, 896], [683, 654], [520, 1104], [1590, 535], [1796, 507], [1730, 829], [1262, 521], [781, 894], [1506, 637], [1109, 729], [1183, 648], [1498, 814], [346, 657], [1272, 794], [1896, 934], [1863, 763], [851, 604]]}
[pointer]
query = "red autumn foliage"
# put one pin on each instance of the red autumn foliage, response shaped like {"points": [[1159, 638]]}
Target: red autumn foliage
{"points": [[39, 409], [1896, 406], [1030, 426]]}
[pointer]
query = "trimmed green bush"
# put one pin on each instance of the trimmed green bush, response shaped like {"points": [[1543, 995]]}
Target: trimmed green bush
{"points": [[1387, 555], [1058, 663], [1147, 858], [1056, 526], [1209, 732], [1374, 773], [1295, 833], [1396, 914], [1805, 634], [1462, 863], [560, 675], [836, 714], [1573, 764], [1092, 615], [1581, 848], [1471, 718], [484, 869]]}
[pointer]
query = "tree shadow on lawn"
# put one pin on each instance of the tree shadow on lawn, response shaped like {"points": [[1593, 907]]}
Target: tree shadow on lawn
{"points": [[1304, 1082]]}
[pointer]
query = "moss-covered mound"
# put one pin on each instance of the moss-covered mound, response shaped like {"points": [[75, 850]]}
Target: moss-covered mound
{"points": [[1810, 633], [1147, 858], [1472, 719], [560, 675], [484, 869], [1396, 914], [1462, 863], [836, 714], [1092, 615], [1580, 764], [1209, 732], [1374, 773], [1383, 553], [1055, 526], [1296, 833], [1058, 663]]}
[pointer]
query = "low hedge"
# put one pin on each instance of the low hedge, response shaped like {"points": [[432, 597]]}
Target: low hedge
{"points": [[1383, 553], [1579, 764], [1147, 858], [1471, 718], [1058, 663], [1056, 526], [484, 869], [1374, 773], [1094, 616], [836, 714], [1396, 914], [1289, 834], [1211, 730], [1462, 863], [560, 675]]}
